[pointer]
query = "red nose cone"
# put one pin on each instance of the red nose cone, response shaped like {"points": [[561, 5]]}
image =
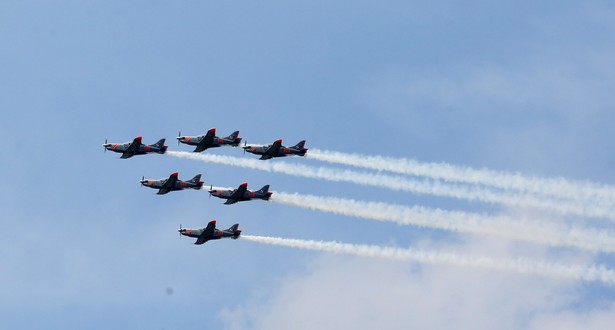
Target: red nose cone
{"points": [[278, 141]]}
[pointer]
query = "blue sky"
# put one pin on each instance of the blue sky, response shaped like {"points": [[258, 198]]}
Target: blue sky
{"points": [[515, 86]]}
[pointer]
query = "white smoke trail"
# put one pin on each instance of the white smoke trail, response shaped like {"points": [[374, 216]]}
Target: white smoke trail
{"points": [[533, 231], [580, 191], [400, 183], [218, 188], [520, 265]]}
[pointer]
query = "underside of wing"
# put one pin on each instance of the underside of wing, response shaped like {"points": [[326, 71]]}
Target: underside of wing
{"points": [[201, 147], [273, 150], [163, 191], [207, 140], [168, 185], [209, 230], [133, 148], [238, 193], [201, 240]]}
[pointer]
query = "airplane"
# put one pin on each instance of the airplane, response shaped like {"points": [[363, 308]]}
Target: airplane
{"points": [[172, 184], [209, 140], [210, 232], [135, 147], [240, 194], [277, 150]]}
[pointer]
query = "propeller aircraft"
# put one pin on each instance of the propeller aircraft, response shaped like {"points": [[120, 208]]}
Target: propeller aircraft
{"points": [[135, 147], [209, 140], [172, 183], [277, 150], [210, 232], [240, 194]]}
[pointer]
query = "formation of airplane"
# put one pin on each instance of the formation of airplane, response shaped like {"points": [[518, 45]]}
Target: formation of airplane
{"points": [[172, 183], [129, 149], [240, 194], [210, 232], [202, 143], [276, 149], [209, 140]]}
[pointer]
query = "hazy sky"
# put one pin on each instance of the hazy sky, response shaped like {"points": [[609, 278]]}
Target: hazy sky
{"points": [[513, 86]]}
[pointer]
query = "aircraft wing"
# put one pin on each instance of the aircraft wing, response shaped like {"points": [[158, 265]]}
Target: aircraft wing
{"points": [[207, 140], [169, 185], [207, 234], [133, 148], [238, 194], [201, 240], [272, 150]]}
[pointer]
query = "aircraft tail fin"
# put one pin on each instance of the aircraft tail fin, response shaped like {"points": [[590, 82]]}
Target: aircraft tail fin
{"points": [[265, 191], [234, 137], [300, 146], [196, 179], [160, 145], [235, 230]]}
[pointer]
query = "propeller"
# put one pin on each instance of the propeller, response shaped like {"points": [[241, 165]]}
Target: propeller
{"points": [[180, 230], [211, 188], [245, 144], [142, 180], [178, 136], [105, 145]]}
